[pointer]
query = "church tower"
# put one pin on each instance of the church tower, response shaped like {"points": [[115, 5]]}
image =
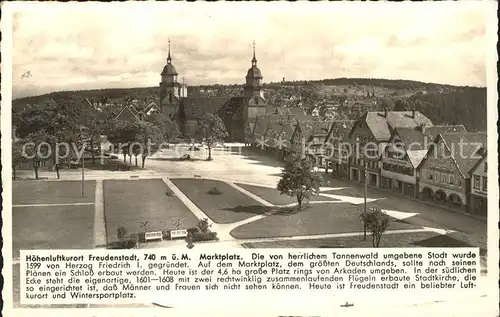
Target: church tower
{"points": [[255, 104], [170, 88], [253, 82]]}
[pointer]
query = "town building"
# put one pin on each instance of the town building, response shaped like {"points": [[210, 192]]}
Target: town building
{"points": [[400, 159], [369, 136], [316, 141], [337, 148], [445, 171], [403, 155], [238, 113], [479, 186]]}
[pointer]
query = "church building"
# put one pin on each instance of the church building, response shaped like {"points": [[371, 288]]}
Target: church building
{"points": [[238, 113]]}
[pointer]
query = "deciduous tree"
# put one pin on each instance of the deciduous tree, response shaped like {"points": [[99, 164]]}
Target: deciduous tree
{"points": [[299, 180], [211, 130], [37, 149], [17, 156], [148, 138], [377, 222]]}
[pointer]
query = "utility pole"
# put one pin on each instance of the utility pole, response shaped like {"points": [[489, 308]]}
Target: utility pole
{"points": [[366, 194]]}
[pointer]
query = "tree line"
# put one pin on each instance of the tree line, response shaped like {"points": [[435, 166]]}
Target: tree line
{"points": [[71, 130]]}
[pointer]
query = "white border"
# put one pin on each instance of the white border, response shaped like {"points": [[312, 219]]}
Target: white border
{"points": [[463, 308]]}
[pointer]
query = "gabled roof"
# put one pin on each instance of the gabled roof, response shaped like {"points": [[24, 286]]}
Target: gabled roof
{"points": [[233, 107], [194, 107], [321, 128], [381, 125], [431, 132], [257, 101], [305, 128], [149, 106], [340, 127], [412, 138], [484, 156], [128, 111], [416, 156], [166, 100], [287, 130], [261, 126], [465, 148], [274, 128]]}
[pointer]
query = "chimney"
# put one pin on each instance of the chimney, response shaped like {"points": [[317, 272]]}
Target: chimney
{"points": [[413, 112], [386, 110]]}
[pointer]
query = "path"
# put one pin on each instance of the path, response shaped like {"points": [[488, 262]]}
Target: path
{"points": [[224, 230]]}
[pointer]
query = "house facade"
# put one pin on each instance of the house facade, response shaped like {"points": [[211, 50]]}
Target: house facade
{"points": [[369, 136], [479, 188], [445, 170], [337, 148], [399, 162], [316, 142]]}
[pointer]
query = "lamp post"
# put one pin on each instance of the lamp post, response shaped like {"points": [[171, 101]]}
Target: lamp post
{"points": [[83, 174]]}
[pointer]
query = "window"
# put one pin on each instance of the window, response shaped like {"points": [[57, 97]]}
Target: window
{"points": [[436, 176], [452, 181], [485, 183], [429, 175], [459, 182], [477, 182], [443, 178], [485, 167]]}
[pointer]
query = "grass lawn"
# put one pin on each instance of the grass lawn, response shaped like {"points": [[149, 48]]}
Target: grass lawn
{"points": [[51, 192], [59, 227], [274, 197], [314, 219], [399, 240], [230, 206], [128, 203]]}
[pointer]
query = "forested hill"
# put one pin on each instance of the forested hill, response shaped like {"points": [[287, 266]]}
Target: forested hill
{"points": [[465, 106], [376, 82]]}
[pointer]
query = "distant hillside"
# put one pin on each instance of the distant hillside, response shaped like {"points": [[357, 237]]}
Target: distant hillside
{"points": [[441, 103], [465, 106], [376, 82]]}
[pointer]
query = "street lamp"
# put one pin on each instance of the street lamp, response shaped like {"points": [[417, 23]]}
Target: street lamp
{"points": [[83, 167], [366, 184], [83, 174]]}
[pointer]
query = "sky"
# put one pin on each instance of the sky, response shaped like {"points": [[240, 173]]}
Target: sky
{"points": [[119, 45]]}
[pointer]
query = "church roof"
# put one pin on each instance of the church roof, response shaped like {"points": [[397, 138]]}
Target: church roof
{"points": [[254, 72], [169, 69], [195, 107], [257, 101]]}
